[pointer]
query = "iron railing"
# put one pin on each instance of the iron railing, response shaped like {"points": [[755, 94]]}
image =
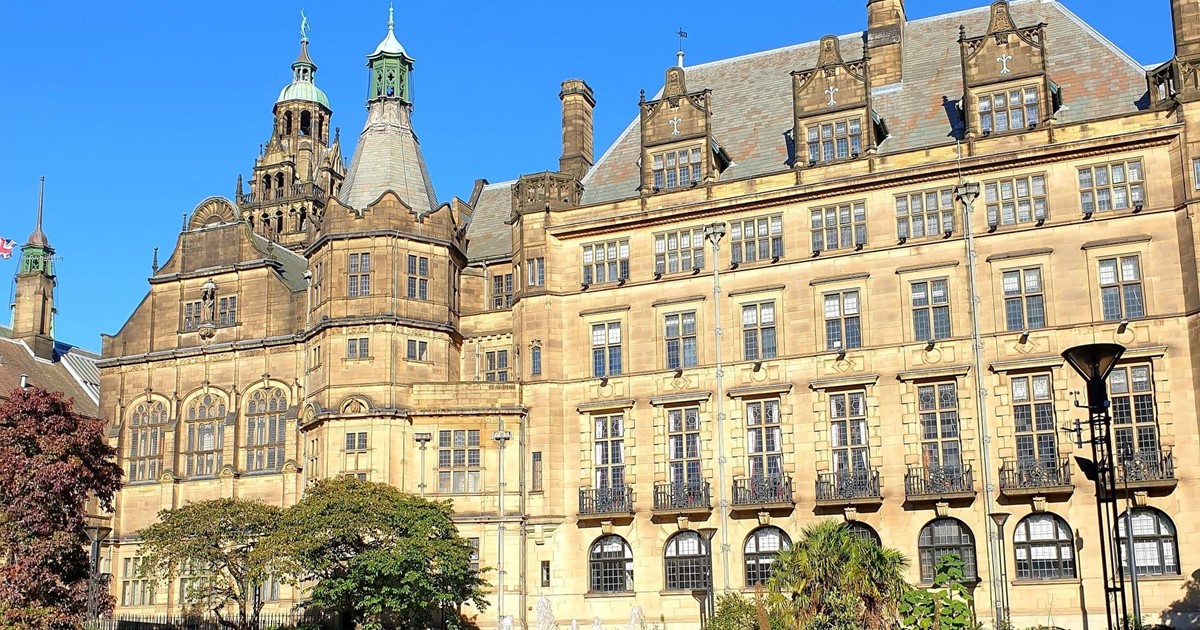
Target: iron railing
{"points": [[682, 496], [209, 622], [615, 500], [938, 480], [1016, 474], [848, 484], [1145, 466], [287, 193], [762, 490]]}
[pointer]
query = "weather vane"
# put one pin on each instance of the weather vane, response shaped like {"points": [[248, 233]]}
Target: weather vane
{"points": [[305, 29], [682, 36]]}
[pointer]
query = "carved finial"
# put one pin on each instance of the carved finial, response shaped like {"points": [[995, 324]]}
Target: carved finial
{"points": [[337, 134], [642, 98], [38, 237], [305, 29], [962, 32], [391, 16], [238, 198], [154, 263], [185, 222]]}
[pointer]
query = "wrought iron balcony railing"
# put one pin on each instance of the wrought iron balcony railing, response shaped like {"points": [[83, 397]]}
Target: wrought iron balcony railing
{"points": [[1145, 467], [848, 485], [1033, 474], [682, 496], [615, 500], [938, 481], [763, 490]]}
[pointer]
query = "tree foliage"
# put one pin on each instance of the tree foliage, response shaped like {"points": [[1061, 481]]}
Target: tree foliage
{"points": [[377, 556], [832, 579], [223, 544], [947, 606], [52, 460], [736, 612]]}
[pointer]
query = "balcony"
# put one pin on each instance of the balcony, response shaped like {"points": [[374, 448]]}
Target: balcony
{"points": [[763, 493], [605, 503], [939, 483], [1030, 477], [1146, 470], [681, 499], [848, 488], [294, 192]]}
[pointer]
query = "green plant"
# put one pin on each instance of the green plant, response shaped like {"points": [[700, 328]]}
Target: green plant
{"points": [[946, 606]]}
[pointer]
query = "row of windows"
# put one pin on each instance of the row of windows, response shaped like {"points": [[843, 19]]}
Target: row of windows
{"points": [[358, 276], [221, 312], [1043, 547]]}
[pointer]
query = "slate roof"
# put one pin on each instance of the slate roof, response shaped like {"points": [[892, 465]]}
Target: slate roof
{"points": [[73, 372], [489, 235], [293, 265], [752, 99], [388, 157]]}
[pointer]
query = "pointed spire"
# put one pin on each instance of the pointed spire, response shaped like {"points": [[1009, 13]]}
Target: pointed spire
{"points": [[154, 263], [38, 237]]}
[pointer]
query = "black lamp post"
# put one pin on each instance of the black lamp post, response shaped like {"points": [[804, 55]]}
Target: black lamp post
{"points": [[96, 534], [1094, 362], [708, 606]]}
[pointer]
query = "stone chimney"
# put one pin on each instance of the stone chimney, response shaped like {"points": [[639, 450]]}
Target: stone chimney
{"points": [[577, 105], [885, 40], [1185, 14]]}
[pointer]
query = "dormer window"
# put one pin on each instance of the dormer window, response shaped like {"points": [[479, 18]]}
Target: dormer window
{"points": [[1007, 110], [677, 168], [835, 140]]}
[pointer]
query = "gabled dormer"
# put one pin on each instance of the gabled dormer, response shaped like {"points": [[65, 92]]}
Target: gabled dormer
{"points": [[1006, 82], [1178, 80], [832, 110], [678, 150]]}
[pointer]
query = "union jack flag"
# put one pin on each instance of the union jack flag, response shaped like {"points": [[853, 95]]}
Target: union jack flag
{"points": [[6, 248]]}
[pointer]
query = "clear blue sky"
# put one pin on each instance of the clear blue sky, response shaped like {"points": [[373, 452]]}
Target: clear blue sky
{"points": [[136, 111]]}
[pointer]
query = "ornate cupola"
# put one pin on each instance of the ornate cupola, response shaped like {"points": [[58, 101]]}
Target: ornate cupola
{"points": [[390, 67], [33, 307]]}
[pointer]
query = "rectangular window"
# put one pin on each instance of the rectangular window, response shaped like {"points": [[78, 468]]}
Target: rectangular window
{"points": [[940, 446], [1008, 110], [835, 140], [535, 272], [1114, 186], [606, 262], [417, 350], [458, 461], [683, 445], [227, 311], [848, 431], [931, 310], [545, 573], [839, 227], [608, 443], [843, 323], [764, 438], [680, 335], [756, 239], [1121, 288], [1196, 173], [135, 589], [1016, 200], [316, 356], [1033, 420], [679, 251], [606, 349], [758, 331], [535, 361], [497, 365], [1135, 426], [1024, 299], [502, 291], [359, 348], [474, 543], [418, 277], [356, 442], [925, 213], [191, 315], [535, 472], [205, 443], [359, 274], [677, 168], [318, 276]]}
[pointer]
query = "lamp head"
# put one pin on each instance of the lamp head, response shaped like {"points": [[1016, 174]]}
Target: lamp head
{"points": [[967, 192], [1094, 361]]}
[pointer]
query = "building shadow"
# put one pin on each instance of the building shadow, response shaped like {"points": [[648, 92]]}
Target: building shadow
{"points": [[1185, 612]]}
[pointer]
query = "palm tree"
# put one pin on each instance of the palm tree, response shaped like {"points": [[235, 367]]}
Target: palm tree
{"points": [[832, 579]]}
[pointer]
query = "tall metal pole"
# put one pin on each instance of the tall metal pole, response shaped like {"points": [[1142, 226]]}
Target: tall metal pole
{"points": [[422, 439], [713, 232], [1127, 458], [501, 436]]}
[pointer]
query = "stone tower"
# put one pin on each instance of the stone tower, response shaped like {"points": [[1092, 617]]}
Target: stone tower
{"points": [[33, 308], [885, 40]]}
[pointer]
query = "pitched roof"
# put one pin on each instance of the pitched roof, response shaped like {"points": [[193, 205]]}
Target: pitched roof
{"points": [[752, 95], [292, 265], [488, 235], [388, 157], [72, 372]]}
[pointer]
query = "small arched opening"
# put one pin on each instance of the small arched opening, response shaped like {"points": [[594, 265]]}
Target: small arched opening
{"points": [[287, 123], [305, 123]]}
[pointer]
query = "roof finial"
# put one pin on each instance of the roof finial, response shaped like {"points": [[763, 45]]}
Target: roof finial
{"points": [[154, 265], [305, 29], [391, 16], [38, 237], [679, 55]]}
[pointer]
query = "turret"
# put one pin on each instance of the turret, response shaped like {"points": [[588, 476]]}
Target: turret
{"points": [[33, 308]]}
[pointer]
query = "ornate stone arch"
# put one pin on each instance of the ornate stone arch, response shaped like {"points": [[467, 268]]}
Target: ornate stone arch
{"points": [[356, 404], [213, 211]]}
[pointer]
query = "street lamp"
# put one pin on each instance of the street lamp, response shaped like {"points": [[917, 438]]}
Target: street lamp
{"points": [[422, 439], [1094, 362], [1000, 574], [709, 607], [96, 534], [502, 437], [714, 232], [1127, 457]]}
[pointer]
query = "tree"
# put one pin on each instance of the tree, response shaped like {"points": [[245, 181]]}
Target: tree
{"points": [[52, 460], [947, 606], [832, 579], [377, 556], [219, 545], [736, 612]]}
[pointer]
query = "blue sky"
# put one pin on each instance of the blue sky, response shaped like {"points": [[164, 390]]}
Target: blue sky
{"points": [[137, 111]]}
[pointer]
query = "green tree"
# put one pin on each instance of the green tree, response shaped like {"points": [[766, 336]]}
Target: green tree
{"points": [[221, 545], [947, 606], [377, 556], [52, 460], [832, 579], [737, 612]]}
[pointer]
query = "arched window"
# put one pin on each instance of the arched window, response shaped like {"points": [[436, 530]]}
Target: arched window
{"points": [[610, 564], [301, 220], [287, 123], [205, 436], [1044, 547], [862, 530], [687, 562], [266, 184], [305, 123], [1155, 549], [941, 537], [278, 184], [265, 429], [146, 428], [279, 221], [321, 127], [762, 545]]}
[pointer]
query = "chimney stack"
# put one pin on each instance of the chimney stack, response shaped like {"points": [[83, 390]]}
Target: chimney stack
{"points": [[1185, 14], [577, 105], [885, 37]]}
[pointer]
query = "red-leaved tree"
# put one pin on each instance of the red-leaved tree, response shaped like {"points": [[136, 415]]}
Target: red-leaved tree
{"points": [[52, 460]]}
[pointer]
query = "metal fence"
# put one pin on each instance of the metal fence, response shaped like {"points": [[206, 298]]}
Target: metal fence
{"points": [[266, 621]]}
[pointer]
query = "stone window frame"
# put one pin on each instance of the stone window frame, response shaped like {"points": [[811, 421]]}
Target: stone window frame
{"points": [[1133, 185], [669, 166], [929, 311], [1164, 537], [908, 216], [841, 142], [930, 549], [502, 291], [358, 274], [1023, 299], [470, 465], [1058, 561], [613, 266], [496, 365], [266, 429], [679, 340], [1005, 204], [358, 348], [758, 562], [848, 229], [688, 258], [847, 318], [989, 115], [418, 276], [687, 557], [148, 425], [416, 350], [1126, 307], [758, 330], [201, 458], [766, 242]]}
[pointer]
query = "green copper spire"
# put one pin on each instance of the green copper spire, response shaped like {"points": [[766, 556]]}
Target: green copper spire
{"points": [[36, 253], [390, 67], [303, 86]]}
